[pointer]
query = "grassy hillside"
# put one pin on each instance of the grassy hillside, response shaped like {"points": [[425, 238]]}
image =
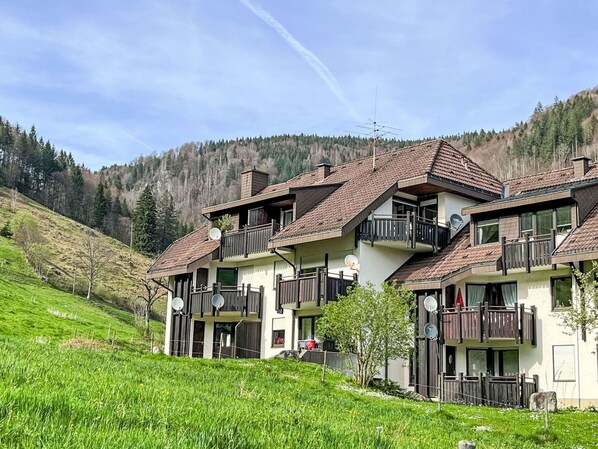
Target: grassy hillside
{"points": [[55, 398], [120, 281], [32, 309]]}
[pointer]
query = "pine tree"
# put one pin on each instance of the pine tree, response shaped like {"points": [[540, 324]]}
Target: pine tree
{"points": [[100, 206], [166, 221], [144, 224]]}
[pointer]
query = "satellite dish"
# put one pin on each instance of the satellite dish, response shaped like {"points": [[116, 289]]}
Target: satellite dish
{"points": [[430, 304], [430, 331], [218, 301], [215, 234], [456, 221], [351, 261], [177, 304]]}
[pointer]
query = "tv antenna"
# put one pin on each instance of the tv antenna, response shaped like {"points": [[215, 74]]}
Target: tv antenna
{"points": [[376, 130]]}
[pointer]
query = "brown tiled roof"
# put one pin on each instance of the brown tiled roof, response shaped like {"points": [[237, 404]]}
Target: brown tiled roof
{"points": [[183, 252], [583, 239], [548, 179], [362, 189], [455, 258]]}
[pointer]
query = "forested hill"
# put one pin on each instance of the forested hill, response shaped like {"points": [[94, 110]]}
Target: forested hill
{"points": [[203, 173]]}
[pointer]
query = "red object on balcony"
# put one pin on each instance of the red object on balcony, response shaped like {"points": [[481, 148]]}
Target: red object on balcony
{"points": [[310, 345], [459, 301]]}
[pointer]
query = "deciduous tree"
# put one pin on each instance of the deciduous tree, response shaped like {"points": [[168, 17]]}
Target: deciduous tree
{"points": [[93, 256], [374, 325]]}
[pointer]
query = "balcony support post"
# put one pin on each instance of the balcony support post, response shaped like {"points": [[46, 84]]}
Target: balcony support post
{"points": [[318, 286], [526, 253], [520, 382], [372, 225], [487, 323], [260, 302], [246, 291], [552, 246], [520, 319], [297, 290], [435, 247], [278, 304], [245, 241], [215, 290], [459, 324], [503, 243], [414, 230], [481, 322]]}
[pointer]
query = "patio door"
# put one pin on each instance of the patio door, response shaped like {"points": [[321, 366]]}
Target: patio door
{"points": [[224, 339], [198, 338]]}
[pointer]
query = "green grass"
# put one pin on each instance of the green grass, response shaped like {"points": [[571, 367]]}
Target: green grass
{"points": [[53, 397], [30, 308]]}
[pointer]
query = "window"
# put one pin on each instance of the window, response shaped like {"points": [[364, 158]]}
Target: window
{"points": [[402, 207], [561, 292], [563, 363], [307, 327], [497, 362], [429, 209], [542, 223], [503, 294], [286, 217], [226, 276], [487, 231], [563, 219], [278, 338], [278, 332]]}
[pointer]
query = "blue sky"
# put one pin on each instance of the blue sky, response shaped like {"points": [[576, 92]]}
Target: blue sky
{"points": [[110, 80]]}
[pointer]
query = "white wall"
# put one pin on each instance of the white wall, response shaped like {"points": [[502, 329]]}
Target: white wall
{"points": [[377, 262], [449, 204], [168, 328]]}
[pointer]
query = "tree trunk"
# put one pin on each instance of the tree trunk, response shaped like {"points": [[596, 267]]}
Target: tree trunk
{"points": [[89, 291], [148, 311]]}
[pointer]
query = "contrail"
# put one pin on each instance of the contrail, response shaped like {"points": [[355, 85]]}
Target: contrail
{"points": [[138, 141], [307, 55]]}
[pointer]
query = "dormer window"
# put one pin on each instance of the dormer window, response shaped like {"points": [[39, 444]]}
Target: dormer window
{"points": [[541, 223], [486, 231], [286, 217]]}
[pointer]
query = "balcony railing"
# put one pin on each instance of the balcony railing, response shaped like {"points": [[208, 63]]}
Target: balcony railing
{"points": [[527, 253], [484, 322], [249, 240], [408, 228], [318, 287], [237, 298], [496, 391]]}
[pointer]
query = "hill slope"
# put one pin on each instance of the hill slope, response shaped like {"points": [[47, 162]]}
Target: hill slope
{"points": [[33, 310], [120, 281]]}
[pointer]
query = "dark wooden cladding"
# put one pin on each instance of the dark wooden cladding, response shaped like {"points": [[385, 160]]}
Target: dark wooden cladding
{"points": [[248, 337], [319, 287], [249, 240], [181, 322], [485, 322], [240, 298], [496, 391], [527, 253], [404, 228]]}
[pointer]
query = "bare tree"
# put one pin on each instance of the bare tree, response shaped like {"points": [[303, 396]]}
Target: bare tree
{"points": [[93, 257], [152, 293]]}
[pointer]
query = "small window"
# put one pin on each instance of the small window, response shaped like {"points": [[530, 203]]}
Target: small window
{"points": [[226, 276], [477, 362], [561, 292], [563, 219], [278, 338], [487, 231], [527, 223], [286, 217], [543, 222]]}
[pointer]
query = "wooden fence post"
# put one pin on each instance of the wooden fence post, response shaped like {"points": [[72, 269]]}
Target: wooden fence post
{"points": [[503, 243], [526, 253], [318, 287]]}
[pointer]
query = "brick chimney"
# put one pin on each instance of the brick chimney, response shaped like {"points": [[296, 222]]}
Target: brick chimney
{"points": [[323, 170], [252, 182], [581, 165]]}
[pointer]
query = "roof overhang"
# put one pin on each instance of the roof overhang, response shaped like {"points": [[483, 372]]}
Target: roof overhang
{"points": [[179, 269], [440, 184], [451, 278], [512, 202], [575, 256]]}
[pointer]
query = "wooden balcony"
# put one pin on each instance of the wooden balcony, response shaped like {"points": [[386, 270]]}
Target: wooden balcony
{"points": [[485, 322], [527, 253], [312, 289], [408, 228], [496, 391], [247, 241], [242, 299]]}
